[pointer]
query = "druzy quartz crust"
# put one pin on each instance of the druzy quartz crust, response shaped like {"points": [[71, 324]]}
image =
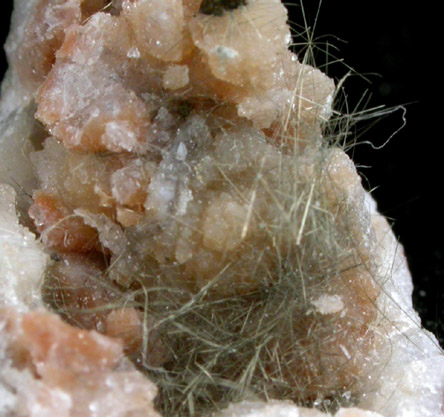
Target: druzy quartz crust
{"points": [[198, 244]]}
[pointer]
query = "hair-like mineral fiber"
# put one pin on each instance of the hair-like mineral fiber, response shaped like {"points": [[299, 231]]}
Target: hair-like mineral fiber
{"points": [[265, 341]]}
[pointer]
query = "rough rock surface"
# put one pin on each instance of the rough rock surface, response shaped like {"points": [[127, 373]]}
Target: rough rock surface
{"points": [[178, 195]]}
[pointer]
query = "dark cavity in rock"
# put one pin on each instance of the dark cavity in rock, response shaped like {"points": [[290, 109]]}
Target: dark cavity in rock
{"points": [[218, 7]]}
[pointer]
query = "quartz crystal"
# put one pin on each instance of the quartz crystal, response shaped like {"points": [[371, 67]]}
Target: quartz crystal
{"points": [[181, 236]]}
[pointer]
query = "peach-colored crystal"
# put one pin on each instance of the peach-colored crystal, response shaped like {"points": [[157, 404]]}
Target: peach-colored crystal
{"points": [[175, 77], [127, 325], [63, 230], [71, 372], [159, 27], [75, 288], [231, 49]]}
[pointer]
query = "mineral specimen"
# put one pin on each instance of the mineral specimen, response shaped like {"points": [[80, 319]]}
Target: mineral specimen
{"points": [[191, 214]]}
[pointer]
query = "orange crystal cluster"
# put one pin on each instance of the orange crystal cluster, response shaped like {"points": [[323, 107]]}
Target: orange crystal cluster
{"points": [[185, 157], [150, 107], [69, 371]]}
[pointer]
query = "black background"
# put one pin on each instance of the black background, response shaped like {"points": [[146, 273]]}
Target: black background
{"points": [[394, 44]]}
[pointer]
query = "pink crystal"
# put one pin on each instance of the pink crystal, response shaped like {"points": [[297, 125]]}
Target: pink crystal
{"points": [[66, 371]]}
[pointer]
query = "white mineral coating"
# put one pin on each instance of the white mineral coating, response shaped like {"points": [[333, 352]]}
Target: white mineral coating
{"points": [[13, 94], [176, 77], [412, 381], [286, 409], [22, 259], [270, 409], [328, 304]]}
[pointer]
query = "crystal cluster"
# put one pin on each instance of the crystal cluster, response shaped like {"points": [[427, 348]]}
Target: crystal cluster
{"points": [[191, 216], [69, 371]]}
